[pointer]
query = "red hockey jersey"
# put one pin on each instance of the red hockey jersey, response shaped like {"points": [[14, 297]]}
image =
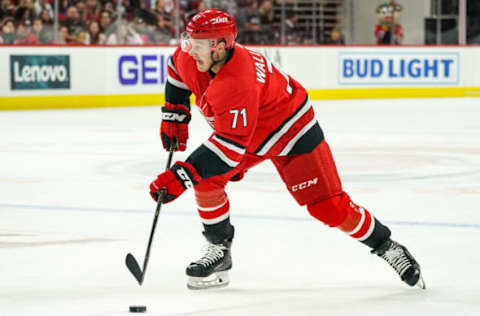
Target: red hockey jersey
{"points": [[252, 106]]}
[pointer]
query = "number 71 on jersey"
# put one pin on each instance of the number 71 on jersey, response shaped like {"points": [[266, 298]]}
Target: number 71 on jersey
{"points": [[236, 113]]}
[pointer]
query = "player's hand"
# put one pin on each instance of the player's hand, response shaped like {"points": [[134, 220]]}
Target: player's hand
{"points": [[175, 181], [174, 129]]}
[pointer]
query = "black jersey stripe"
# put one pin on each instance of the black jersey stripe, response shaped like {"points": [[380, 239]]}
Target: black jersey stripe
{"points": [[207, 163], [309, 141], [241, 147], [171, 63], [285, 122]]}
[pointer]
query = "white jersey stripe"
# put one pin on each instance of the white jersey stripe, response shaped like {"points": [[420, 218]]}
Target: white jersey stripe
{"points": [[216, 220], [177, 83], [220, 154], [294, 140], [271, 142], [232, 147]]}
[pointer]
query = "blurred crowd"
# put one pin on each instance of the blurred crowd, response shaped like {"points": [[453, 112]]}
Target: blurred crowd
{"points": [[141, 22]]}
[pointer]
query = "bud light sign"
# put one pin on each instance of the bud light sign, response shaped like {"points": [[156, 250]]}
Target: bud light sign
{"points": [[359, 68], [142, 69]]}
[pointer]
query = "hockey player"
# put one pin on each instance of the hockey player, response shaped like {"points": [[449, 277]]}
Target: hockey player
{"points": [[257, 112]]}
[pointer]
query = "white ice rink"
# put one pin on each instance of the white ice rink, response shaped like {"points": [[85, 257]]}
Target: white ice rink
{"points": [[74, 201]]}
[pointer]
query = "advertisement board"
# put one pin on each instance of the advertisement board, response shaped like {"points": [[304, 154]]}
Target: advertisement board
{"points": [[70, 77], [142, 69], [30, 72], [392, 68]]}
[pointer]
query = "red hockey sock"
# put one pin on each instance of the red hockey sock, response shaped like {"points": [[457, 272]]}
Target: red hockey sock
{"points": [[213, 206], [339, 211]]}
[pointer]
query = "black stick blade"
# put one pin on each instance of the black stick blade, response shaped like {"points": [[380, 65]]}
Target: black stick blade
{"points": [[134, 268]]}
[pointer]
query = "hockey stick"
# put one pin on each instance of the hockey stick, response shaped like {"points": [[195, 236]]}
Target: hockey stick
{"points": [[130, 261]]}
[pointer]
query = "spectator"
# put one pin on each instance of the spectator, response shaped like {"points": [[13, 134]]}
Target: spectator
{"points": [[25, 35], [147, 34], [80, 5], [201, 6], [73, 20], [249, 23], [154, 21], [44, 34], [7, 9], [228, 6], [163, 33], [124, 35], [163, 15], [45, 17], [266, 22], [92, 10], [25, 12], [8, 32], [266, 12], [63, 35], [108, 6], [43, 5], [80, 37], [336, 37], [105, 22], [63, 6], [142, 10], [93, 33], [291, 31], [194, 8]]}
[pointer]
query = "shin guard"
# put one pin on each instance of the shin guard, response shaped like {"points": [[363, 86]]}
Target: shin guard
{"points": [[339, 211]]}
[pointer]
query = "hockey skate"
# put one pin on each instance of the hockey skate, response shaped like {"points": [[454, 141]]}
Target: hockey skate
{"points": [[402, 261], [211, 270]]}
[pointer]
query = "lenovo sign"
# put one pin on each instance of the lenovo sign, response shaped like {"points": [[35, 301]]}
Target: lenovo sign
{"points": [[31, 72]]}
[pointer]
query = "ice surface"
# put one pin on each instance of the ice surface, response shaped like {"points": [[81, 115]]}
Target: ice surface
{"points": [[74, 201]]}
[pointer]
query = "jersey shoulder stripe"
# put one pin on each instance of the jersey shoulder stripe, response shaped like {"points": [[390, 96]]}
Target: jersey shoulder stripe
{"points": [[176, 83], [173, 76], [230, 144], [222, 155]]}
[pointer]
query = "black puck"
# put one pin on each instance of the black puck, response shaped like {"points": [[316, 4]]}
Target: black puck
{"points": [[138, 309]]}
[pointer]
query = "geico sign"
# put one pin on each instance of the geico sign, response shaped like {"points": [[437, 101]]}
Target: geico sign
{"points": [[142, 69]]}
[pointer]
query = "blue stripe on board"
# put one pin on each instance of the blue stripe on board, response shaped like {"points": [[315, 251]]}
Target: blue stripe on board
{"points": [[194, 213]]}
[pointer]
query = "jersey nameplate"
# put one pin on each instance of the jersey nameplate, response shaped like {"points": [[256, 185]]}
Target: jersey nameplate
{"points": [[259, 66]]}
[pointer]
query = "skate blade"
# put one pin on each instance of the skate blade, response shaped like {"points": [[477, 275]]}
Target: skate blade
{"points": [[216, 280], [421, 284]]}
